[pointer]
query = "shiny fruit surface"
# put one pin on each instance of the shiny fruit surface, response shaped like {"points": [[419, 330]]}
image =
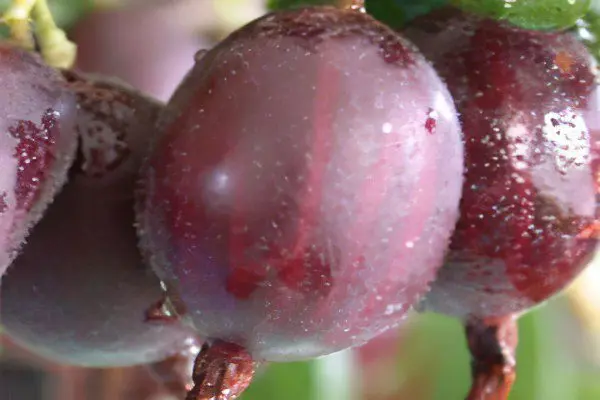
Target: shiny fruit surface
{"points": [[302, 193], [37, 143], [79, 292], [530, 113]]}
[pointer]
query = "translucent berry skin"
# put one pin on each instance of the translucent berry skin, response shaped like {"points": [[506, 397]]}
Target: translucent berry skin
{"points": [[306, 183], [79, 292], [37, 143], [530, 114], [530, 14]]}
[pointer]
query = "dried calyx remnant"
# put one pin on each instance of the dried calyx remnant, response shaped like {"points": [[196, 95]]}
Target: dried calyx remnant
{"points": [[222, 371]]}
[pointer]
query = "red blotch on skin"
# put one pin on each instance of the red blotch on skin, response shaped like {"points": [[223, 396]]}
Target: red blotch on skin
{"points": [[35, 153]]}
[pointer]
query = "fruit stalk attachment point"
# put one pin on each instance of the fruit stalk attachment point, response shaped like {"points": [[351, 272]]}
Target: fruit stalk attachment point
{"points": [[222, 371], [492, 343]]}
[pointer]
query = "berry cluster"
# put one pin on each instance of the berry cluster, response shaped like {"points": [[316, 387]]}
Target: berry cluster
{"points": [[314, 177]]}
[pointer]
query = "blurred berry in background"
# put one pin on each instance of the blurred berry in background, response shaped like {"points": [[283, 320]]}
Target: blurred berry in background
{"points": [[145, 45]]}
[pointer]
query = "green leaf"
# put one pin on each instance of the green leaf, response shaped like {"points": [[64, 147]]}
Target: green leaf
{"points": [[588, 31], [530, 14], [67, 12], [396, 13], [284, 4]]}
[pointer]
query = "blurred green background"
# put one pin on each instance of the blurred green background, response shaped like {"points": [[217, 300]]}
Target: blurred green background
{"points": [[426, 359]]}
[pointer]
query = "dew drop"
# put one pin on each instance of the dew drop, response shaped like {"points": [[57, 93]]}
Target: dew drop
{"points": [[160, 312], [200, 54], [387, 128]]}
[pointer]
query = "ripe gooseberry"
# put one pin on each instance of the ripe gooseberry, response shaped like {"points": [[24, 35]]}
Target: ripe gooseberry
{"points": [[79, 292], [301, 195], [528, 103], [37, 143]]}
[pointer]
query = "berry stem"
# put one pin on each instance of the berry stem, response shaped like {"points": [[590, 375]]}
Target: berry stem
{"points": [[222, 371], [492, 343], [56, 49]]}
